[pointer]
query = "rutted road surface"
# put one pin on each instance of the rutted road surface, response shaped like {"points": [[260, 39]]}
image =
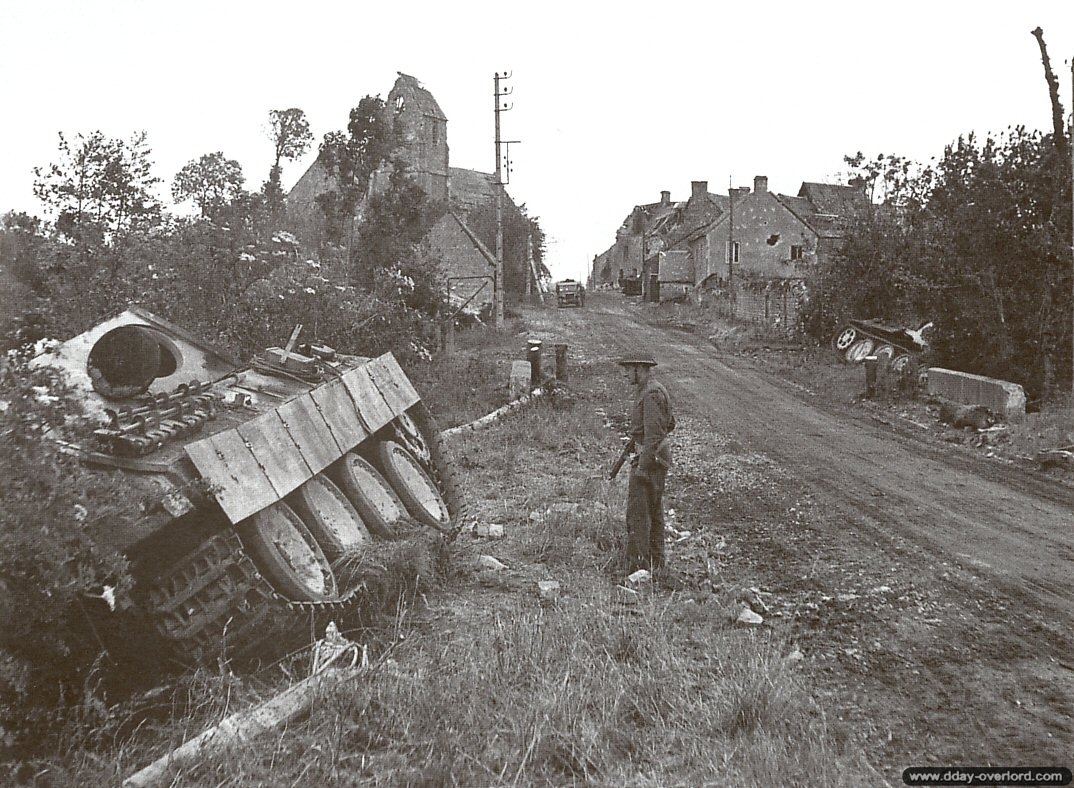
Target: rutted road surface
{"points": [[963, 654]]}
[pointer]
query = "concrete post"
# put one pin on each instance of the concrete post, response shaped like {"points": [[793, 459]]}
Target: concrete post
{"points": [[561, 362], [870, 363], [533, 354]]}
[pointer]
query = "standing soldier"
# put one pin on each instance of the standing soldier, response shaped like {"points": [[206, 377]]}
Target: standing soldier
{"points": [[650, 422]]}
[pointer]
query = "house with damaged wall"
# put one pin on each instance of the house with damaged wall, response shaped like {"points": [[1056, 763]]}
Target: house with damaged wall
{"points": [[423, 145], [754, 250]]}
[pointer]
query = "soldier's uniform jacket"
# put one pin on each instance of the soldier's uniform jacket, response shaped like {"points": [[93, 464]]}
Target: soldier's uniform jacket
{"points": [[650, 422]]}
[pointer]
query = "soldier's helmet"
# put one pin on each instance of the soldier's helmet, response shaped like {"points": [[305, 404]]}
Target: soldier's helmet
{"points": [[637, 360]]}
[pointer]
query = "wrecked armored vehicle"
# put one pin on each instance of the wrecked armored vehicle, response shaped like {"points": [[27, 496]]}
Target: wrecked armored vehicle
{"points": [[861, 338], [260, 483]]}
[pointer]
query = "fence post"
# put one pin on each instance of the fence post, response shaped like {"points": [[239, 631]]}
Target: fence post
{"points": [[447, 336]]}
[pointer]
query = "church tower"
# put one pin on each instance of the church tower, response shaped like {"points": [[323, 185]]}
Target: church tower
{"points": [[422, 128]]}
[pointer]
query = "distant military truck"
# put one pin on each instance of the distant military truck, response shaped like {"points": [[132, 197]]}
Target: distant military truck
{"points": [[631, 285], [570, 293]]}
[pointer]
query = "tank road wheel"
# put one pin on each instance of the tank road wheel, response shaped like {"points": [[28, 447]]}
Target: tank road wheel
{"points": [[330, 517], [857, 352], [440, 467], [285, 550], [371, 494], [900, 363], [845, 338], [415, 488], [407, 434], [885, 352]]}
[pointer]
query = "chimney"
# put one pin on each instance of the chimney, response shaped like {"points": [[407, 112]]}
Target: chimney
{"points": [[665, 198], [760, 184], [698, 189]]}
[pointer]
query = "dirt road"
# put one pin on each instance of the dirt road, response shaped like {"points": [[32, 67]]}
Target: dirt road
{"points": [[933, 593]]}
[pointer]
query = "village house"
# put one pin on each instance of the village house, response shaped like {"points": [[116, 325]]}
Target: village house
{"points": [[754, 249], [423, 146]]}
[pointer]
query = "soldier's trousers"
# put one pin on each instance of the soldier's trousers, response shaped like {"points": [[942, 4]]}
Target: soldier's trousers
{"points": [[645, 519]]}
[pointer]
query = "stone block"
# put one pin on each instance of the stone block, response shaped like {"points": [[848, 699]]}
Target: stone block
{"points": [[1007, 400], [520, 378]]}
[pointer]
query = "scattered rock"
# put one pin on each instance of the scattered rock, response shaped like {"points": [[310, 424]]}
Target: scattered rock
{"points": [[548, 590], [753, 598], [846, 597], [562, 507], [794, 657], [489, 530], [639, 577], [488, 562], [977, 416], [881, 590], [747, 616]]}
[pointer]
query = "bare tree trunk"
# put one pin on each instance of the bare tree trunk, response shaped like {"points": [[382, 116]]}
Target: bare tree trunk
{"points": [[1058, 129]]}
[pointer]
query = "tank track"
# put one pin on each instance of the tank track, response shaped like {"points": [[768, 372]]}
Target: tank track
{"points": [[215, 602]]}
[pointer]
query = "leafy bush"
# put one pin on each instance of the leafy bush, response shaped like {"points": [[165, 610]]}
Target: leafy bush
{"points": [[50, 562]]}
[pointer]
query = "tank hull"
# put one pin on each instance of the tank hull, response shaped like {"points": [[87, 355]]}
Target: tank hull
{"points": [[210, 458]]}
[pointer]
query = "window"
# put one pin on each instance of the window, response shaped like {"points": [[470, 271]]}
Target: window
{"points": [[436, 131], [732, 252], [796, 252]]}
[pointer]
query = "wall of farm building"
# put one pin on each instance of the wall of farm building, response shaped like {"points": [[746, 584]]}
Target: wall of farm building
{"points": [[461, 257], [774, 305]]}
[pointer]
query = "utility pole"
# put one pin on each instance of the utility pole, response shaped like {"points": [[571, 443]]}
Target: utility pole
{"points": [[498, 107], [731, 247]]}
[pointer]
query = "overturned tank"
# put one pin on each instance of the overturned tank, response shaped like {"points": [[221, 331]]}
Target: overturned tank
{"points": [[902, 346], [260, 483]]}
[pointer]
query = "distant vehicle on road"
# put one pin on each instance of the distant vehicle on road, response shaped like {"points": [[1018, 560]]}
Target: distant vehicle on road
{"points": [[631, 285], [570, 292]]}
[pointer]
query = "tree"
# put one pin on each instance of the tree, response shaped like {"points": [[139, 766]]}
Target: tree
{"points": [[212, 182], [393, 225], [350, 159], [100, 190], [977, 243], [291, 136], [517, 227]]}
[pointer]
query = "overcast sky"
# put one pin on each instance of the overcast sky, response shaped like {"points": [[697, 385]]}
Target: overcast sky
{"points": [[611, 105]]}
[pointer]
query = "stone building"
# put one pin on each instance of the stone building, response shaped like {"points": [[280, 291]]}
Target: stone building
{"points": [[421, 126], [472, 266], [756, 249]]}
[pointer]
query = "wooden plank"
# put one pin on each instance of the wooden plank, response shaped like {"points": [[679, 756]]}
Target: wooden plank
{"points": [[392, 383], [276, 451], [374, 410], [225, 461], [338, 410], [310, 433]]}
